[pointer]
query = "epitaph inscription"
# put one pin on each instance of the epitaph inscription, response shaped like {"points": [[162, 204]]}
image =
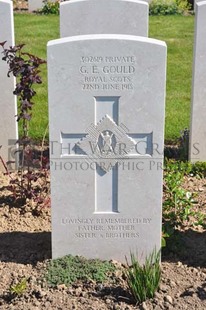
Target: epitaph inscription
{"points": [[106, 228]]}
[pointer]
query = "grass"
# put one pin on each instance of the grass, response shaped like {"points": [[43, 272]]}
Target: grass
{"points": [[177, 32], [36, 30], [143, 280]]}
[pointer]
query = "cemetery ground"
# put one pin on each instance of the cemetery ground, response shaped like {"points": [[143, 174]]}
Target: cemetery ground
{"points": [[25, 225], [25, 253]]}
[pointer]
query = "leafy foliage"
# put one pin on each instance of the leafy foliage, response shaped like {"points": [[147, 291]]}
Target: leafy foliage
{"points": [[69, 269], [25, 67], [177, 199], [50, 7], [178, 203], [198, 169], [143, 280], [183, 6], [168, 7]]}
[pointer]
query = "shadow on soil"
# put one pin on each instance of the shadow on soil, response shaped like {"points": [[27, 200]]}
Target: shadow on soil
{"points": [[25, 247], [201, 292], [188, 246]]}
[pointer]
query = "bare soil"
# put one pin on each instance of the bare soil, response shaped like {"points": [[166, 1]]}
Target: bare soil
{"points": [[25, 249]]}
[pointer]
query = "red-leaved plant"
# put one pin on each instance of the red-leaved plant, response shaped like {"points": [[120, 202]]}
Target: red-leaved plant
{"points": [[25, 67]]}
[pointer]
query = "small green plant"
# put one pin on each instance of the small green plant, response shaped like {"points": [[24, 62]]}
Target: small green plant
{"points": [[19, 288], [168, 7], [177, 205], [165, 235], [183, 6], [178, 202], [50, 7], [69, 269], [197, 169], [143, 280], [200, 220]]}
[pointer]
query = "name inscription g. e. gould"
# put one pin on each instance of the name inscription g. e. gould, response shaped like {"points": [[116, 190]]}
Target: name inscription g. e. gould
{"points": [[107, 73]]}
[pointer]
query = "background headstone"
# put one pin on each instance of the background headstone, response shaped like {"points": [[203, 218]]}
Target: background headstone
{"points": [[8, 109], [194, 2], [103, 16], [35, 5], [106, 110], [197, 150]]}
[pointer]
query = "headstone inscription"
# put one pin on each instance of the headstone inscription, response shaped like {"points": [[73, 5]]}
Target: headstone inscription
{"points": [[106, 111], [104, 16], [8, 124], [197, 151]]}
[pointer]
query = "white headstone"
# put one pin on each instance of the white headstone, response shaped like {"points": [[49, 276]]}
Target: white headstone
{"points": [[8, 110], [197, 150], [106, 109], [79, 17], [195, 2], [35, 5]]}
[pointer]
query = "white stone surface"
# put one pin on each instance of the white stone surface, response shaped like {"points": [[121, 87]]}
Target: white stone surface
{"points": [[8, 124], [81, 17], [35, 5], [197, 150], [104, 90], [195, 2]]}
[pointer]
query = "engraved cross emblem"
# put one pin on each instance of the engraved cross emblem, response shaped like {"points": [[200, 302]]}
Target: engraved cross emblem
{"points": [[107, 143]]}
